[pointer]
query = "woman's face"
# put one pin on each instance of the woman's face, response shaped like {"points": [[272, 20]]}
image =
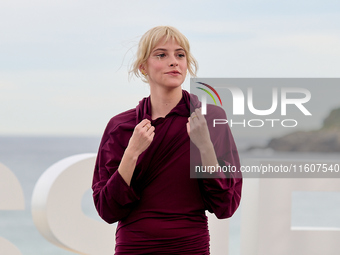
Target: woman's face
{"points": [[166, 65]]}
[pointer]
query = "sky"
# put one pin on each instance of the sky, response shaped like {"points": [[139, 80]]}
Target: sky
{"points": [[64, 64]]}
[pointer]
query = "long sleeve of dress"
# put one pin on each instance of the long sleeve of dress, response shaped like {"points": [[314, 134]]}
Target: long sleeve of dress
{"points": [[222, 193], [113, 198]]}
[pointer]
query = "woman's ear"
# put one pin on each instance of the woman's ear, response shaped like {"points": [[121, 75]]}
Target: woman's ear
{"points": [[142, 70]]}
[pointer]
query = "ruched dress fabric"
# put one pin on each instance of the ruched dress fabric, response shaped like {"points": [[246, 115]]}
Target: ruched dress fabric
{"points": [[163, 209]]}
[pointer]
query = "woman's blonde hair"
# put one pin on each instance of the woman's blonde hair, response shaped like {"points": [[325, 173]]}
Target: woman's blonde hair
{"points": [[151, 38]]}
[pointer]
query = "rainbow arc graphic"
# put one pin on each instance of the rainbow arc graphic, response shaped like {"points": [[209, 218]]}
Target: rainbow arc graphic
{"points": [[209, 93]]}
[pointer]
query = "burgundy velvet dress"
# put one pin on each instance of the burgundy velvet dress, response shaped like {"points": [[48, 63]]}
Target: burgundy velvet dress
{"points": [[163, 210]]}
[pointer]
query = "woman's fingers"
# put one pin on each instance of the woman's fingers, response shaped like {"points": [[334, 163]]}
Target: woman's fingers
{"points": [[151, 130], [148, 127], [142, 136], [143, 126], [143, 123], [199, 113], [194, 116], [197, 129], [152, 135]]}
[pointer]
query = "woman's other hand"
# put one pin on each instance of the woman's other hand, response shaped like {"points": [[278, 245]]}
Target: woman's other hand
{"points": [[198, 130], [141, 138]]}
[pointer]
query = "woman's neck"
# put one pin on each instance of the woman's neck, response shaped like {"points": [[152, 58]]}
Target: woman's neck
{"points": [[164, 100]]}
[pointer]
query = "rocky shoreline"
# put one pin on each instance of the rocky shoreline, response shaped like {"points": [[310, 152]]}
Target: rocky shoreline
{"points": [[326, 139], [308, 141]]}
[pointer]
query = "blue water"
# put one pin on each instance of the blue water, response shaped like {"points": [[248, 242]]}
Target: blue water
{"points": [[29, 157]]}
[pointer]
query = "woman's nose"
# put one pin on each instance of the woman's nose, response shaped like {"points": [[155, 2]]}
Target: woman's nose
{"points": [[173, 61]]}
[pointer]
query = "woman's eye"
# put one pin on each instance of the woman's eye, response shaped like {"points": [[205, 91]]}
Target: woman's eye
{"points": [[181, 55], [162, 55]]}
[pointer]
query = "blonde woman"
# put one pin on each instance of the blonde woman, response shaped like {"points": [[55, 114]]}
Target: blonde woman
{"points": [[142, 173]]}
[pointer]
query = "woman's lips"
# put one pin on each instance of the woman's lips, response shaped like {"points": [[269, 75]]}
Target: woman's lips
{"points": [[174, 73]]}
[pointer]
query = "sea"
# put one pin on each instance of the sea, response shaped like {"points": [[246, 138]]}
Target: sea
{"points": [[28, 158]]}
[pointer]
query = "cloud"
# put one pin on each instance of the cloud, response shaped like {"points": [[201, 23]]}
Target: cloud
{"points": [[7, 85], [70, 58]]}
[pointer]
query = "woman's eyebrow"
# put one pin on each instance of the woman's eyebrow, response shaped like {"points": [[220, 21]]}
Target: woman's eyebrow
{"points": [[159, 49], [162, 49]]}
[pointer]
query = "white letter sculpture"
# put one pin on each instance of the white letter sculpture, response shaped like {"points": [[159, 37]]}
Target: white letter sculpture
{"points": [[11, 198], [57, 213]]}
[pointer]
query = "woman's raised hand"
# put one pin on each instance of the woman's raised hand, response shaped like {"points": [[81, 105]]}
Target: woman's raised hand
{"points": [[198, 130], [142, 137]]}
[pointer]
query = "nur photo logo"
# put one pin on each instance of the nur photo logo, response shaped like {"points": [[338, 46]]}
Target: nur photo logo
{"points": [[269, 104], [204, 99]]}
